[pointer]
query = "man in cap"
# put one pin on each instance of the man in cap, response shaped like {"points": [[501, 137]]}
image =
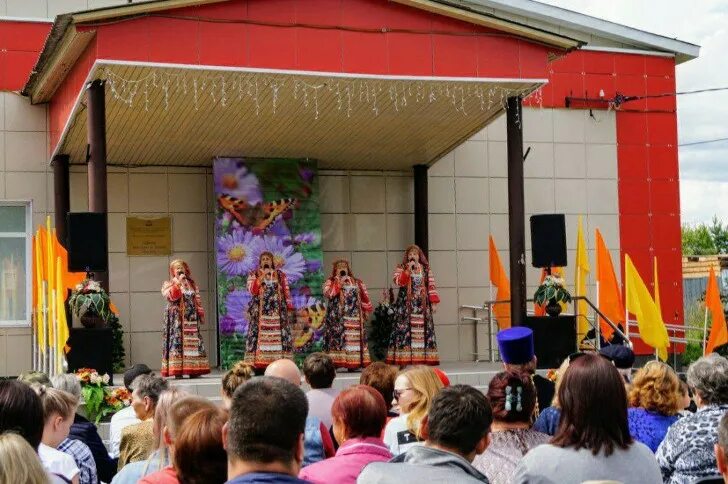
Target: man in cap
{"points": [[126, 416], [516, 350], [622, 357]]}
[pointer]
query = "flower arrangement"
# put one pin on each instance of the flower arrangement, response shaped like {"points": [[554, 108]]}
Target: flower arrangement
{"points": [[551, 290], [89, 299], [99, 398]]}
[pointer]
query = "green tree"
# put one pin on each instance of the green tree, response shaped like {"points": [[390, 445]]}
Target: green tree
{"points": [[719, 234], [698, 240]]}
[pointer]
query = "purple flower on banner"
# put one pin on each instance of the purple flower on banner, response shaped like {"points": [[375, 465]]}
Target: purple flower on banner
{"points": [[237, 253], [233, 178], [237, 310], [306, 238], [313, 265], [306, 174], [302, 301], [227, 325], [285, 257], [280, 229]]}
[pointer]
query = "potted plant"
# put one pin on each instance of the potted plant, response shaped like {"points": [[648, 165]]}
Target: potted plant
{"points": [[380, 329], [99, 399], [551, 293], [90, 303]]}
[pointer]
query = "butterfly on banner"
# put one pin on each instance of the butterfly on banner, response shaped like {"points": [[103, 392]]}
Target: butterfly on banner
{"points": [[259, 216]]}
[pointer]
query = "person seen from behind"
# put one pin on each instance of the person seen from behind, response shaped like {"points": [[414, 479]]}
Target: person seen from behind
{"points": [[18, 461], [126, 416], [320, 372], [381, 376], [235, 376], [58, 410]]}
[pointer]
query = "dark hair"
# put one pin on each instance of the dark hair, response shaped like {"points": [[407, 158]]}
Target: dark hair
{"points": [[723, 433], [236, 376], [319, 370], [267, 417], [593, 404], [381, 377], [150, 386], [459, 417], [363, 411], [21, 411], [135, 371], [512, 396], [200, 441]]}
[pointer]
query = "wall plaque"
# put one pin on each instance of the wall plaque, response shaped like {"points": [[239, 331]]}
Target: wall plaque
{"points": [[148, 236]]}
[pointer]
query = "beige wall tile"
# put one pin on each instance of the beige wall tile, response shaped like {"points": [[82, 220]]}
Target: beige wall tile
{"points": [[127, 349], [444, 267], [2, 184], [330, 257], [118, 192], [27, 8], [602, 196], [121, 301], [472, 232], [471, 195], [20, 115], [146, 311], [499, 230], [117, 232], [198, 262], [569, 160], [447, 338], [368, 231], [187, 193], [147, 348], [497, 129], [367, 194], [447, 310], [441, 195], [189, 232], [27, 186], [79, 191], [498, 158], [18, 353], [539, 195], [601, 161], [2, 151], [3, 9], [467, 342], [569, 125], [442, 231], [473, 296], [498, 192], [472, 268], [370, 267], [118, 272], [400, 194], [540, 161], [148, 273], [147, 192], [3, 356], [334, 194], [394, 259], [481, 135], [445, 166], [538, 125], [608, 225], [471, 159], [602, 128], [570, 196], [104, 3], [336, 232], [400, 231], [57, 7]]}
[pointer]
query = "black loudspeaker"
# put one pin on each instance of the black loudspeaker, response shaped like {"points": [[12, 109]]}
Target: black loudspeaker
{"points": [[554, 339], [88, 243], [91, 348], [548, 240]]}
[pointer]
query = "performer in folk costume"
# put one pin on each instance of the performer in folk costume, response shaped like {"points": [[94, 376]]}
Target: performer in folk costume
{"points": [[183, 352], [347, 308], [269, 328], [413, 330]]}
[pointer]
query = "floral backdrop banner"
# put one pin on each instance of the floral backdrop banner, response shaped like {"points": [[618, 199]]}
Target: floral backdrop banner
{"points": [[267, 205]]}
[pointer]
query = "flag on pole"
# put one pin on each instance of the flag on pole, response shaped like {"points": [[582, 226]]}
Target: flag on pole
{"points": [[656, 280], [500, 280], [609, 295], [640, 303], [581, 273], [718, 330]]}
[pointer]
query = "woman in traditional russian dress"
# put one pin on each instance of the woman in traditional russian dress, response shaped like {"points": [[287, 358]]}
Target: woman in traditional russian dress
{"points": [[413, 331], [269, 328], [183, 352], [347, 309]]}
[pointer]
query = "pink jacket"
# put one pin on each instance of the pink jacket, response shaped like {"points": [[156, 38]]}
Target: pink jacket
{"points": [[348, 462]]}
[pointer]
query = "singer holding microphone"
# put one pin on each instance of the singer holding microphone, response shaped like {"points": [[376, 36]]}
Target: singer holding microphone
{"points": [[183, 352], [269, 313], [413, 333], [347, 309]]}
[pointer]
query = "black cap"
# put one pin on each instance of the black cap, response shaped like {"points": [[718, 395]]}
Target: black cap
{"points": [[621, 356], [133, 372]]}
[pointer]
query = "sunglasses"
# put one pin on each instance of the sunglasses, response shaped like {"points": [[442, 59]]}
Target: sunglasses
{"points": [[398, 393]]}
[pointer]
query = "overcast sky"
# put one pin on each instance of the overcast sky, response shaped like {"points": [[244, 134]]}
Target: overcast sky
{"points": [[703, 168]]}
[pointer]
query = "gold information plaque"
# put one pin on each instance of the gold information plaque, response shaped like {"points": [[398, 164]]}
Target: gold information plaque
{"points": [[148, 236]]}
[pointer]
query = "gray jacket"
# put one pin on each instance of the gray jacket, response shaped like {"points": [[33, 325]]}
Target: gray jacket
{"points": [[422, 464]]}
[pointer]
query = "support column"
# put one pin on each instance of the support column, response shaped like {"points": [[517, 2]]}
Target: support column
{"points": [[516, 210], [61, 196], [96, 132], [421, 208]]}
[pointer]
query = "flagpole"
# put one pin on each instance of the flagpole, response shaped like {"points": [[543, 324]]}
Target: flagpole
{"points": [[626, 305], [597, 326], [705, 331]]}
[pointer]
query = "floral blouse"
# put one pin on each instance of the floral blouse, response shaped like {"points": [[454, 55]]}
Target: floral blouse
{"points": [[649, 427]]}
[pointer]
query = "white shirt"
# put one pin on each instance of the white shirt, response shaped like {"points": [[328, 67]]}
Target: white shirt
{"points": [[398, 437], [320, 401], [121, 419], [56, 462]]}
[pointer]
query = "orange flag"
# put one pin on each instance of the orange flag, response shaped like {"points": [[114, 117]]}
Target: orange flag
{"points": [[610, 296], [718, 330], [499, 279]]}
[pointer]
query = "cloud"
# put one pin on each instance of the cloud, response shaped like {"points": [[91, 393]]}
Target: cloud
{"points": [[698, 200]]}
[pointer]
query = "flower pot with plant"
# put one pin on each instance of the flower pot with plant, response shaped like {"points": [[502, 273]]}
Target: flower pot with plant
{"points": [[551, 294], [100, 400], [90, 303]]}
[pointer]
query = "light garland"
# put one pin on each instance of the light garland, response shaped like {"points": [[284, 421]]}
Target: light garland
{"points": [[222, 91]]}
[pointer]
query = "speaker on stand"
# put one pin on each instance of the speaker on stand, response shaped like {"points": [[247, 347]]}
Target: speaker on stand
{"points": [[548, 240]]}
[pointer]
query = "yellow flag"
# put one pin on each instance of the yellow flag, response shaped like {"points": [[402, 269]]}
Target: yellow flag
{"points": [[38, 266], [580, 276], [640, 303], [657, 288], [49, 289], [61, 309]]}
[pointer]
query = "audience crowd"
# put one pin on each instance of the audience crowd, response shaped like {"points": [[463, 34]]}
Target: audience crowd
{"points": [[597, 421]]}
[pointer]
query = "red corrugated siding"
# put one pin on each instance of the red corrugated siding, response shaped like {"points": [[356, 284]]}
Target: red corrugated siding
{"points": [[20, 45]]}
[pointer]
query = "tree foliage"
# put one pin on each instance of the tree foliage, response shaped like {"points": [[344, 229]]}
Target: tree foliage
{"points": [[705, 239]]}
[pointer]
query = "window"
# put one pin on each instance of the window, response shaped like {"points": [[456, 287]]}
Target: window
{"points": [[15, 263]]}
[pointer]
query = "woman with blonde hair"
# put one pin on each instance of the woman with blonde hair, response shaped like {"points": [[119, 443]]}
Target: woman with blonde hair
{"points": [[414, 390], [655, 400], [20, 463], [236, 376]]}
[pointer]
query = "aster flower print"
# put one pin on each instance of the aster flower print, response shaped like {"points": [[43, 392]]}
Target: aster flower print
{"points": [[233, 178], [237, 253], [285, 257], [237, 306]]}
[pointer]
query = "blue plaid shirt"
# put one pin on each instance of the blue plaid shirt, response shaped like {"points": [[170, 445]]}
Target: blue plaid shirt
{"points": [[84, 460]]}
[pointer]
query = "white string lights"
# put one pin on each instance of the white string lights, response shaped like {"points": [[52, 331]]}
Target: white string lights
{"points": [[344, 94]]}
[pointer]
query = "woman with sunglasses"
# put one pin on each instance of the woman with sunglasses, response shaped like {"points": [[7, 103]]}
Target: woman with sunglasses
{"points": [[414, 390]]}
